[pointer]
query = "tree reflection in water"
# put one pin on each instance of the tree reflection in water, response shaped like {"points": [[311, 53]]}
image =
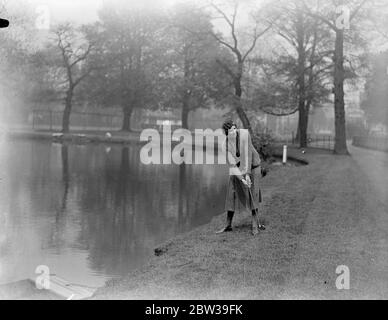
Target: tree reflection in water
{"points": [[106, 206]]}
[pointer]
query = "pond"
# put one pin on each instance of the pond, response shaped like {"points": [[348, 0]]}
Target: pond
{"points": [[95, 212]]}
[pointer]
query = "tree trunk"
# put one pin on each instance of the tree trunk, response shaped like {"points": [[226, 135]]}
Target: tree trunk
{"points": [[302, 127], [185, 115], [67, 111], [307, 114], [339, 104], [238, 105], [243, 117], [297, 132], [127, 119], [310, 90], [186, 90], [65, 176]]}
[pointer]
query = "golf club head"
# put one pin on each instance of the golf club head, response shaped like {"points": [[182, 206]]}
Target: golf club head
{"points": [[4, 23]]}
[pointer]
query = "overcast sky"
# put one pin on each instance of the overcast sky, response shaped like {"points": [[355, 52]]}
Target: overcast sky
{"points": [[85, 10], [78, 10]]}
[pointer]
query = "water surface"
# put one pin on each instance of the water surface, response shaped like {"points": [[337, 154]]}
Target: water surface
{"points": [[95, 212]]}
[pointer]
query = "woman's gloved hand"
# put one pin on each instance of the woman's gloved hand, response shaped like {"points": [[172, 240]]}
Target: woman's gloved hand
{"points": [[264, 172], [248, 180]]}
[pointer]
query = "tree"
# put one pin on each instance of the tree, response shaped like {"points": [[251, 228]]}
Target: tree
{"points": [[195, 79], [130, 51], [327, 14], [305, 66], [18, 43], [74, 49], [236, 71]]}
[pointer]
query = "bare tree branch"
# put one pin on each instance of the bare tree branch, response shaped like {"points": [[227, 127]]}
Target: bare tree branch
{"points": [[357, 9], [308, 11], [256, 37], [82, 57]]}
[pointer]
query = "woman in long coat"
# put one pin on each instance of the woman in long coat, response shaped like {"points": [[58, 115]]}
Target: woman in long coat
{"points": [[244, 174]]}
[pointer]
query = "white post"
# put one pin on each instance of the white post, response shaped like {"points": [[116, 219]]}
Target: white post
{"points": [[284, 154]]}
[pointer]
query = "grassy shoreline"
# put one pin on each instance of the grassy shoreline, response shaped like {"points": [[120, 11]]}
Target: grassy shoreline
{"points": [[318, 217], [81, 136]]}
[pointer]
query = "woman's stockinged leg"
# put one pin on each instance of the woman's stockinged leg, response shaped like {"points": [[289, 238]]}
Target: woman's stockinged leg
{"points": [[229, 219], [255, 227]]}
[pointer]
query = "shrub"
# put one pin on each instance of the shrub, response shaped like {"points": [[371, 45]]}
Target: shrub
{"points": [[263, 143]]}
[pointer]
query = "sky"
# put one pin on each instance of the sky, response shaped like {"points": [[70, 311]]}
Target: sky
{"points": [[83, 10], [86, 11]]}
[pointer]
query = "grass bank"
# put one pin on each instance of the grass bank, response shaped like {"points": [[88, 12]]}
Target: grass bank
{"points": [[318, 217]]}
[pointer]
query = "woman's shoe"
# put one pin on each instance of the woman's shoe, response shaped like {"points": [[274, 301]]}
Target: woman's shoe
{"points": [[226, 229], [262, 227]]}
